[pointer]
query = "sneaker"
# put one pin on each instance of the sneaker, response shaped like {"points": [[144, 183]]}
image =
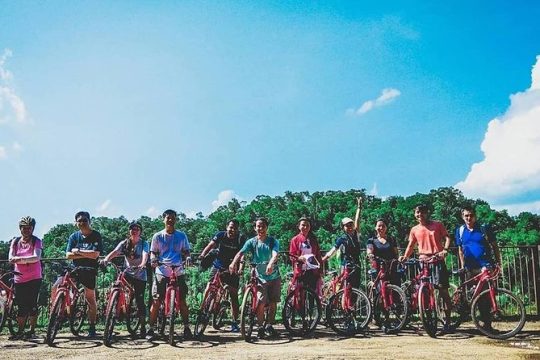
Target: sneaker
{"points": [[18, 336], [187, 333], [142, 333], [234, 327], [150, 335], [261, 334], [92, 333], [271, 331], [447, 329]]}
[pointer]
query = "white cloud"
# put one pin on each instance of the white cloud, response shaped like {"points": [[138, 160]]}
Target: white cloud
{"points": [[374, 190], [516, 209], [107, 208], [511, 147], [387, 96], [17, 147], [223, 198], [11, 105], [152, 212], [3, 153]]}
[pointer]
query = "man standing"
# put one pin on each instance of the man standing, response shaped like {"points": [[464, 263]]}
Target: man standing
{"points": [[477, 244], [429, 236], [264, 250], [228, 243], [84, 247], [169, 247]]}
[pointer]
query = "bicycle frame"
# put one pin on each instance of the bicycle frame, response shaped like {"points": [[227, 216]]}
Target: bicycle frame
{"points": [[481, 280], [381, 281], [124, 295], [172, 285], [220, 290], [422, 280]]}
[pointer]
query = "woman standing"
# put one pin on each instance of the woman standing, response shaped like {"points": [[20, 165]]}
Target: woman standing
{"points": [[25, 254], [385, 248], [304, 247], [135, 251]]}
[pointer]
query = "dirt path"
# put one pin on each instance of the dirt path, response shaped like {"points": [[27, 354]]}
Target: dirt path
{"points": [[411, 344]]}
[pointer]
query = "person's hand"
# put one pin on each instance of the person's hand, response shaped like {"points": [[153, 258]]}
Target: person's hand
{"points": [[189, 262], [154, 263], [402, 258], [302, 258], [269, 269], [103, 263], [232, 268], [359, 201], [371, 257], [443, 253]]}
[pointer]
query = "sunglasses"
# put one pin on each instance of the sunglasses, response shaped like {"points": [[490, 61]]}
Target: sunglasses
{"points": [[306, 244]]}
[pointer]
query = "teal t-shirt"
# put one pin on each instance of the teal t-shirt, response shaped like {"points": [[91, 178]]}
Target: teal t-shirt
{"points": [[261, 252]]}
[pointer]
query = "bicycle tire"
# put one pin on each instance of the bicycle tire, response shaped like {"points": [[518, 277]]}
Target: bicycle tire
{"points": [[55, 319], [501, 317], [459, 309], [171, 316], [428, 316], [345, 322], [247, 317], [203, 317], [12, 323], [396, 317], [133, 321], [110, 317], [218, 320], [78, 312], [161, 320], [311, 302], [4, 311]]}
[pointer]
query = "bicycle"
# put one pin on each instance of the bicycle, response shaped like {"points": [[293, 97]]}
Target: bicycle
{"points": [[422, 294], [496, 312], [349, 309], [389, 302], [8, 307], [302, 308], [250, 302], [170, 306], [121, 305], [68, 302], [215, 304]]}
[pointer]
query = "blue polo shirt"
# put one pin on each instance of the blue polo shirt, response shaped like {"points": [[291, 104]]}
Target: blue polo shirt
{"points": [[475, 246]]}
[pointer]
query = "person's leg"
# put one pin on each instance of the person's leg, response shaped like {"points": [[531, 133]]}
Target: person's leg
{"points": [[22, 299], [36, 285]]}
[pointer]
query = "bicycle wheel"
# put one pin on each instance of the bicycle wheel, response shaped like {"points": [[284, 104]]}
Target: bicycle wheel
{"points": [[301, 312], [218, 320], [12, 323], [78, 312], [247, 315], [55, 319], [459, 308], [171, 317], [111, 317], [393, 318], [352, 320], [506, 321], [204, 314], [132, 316], [4, 311], [428, 313]]}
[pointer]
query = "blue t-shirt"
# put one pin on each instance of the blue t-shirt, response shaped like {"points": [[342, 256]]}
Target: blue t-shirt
{"points": [[476, 248], [168, 249], [228, 248], [91, 242], [261, 252], [133, 257]]}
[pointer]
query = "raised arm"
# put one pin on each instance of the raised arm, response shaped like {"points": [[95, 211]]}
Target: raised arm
{"points": [[358, 213]]}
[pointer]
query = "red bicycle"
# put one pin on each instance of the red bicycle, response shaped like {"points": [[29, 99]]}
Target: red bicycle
{"points": [[422, 294], [348, 311], [302, 308], [8, 307], [68, 302], [215, 304], [390, 308], [170, 306], [121, 305], [496, 312]]}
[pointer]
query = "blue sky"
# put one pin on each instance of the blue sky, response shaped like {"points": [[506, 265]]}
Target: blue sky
{"points": [[127, 108]]}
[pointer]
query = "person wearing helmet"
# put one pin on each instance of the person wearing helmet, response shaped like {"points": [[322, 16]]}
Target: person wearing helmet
{"points": [[84, 247], [135, 251], [304, 247], [25, 254], [349, 245]]}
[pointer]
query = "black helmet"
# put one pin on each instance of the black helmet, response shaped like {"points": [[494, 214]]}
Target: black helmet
{"points": [[135, 224]]}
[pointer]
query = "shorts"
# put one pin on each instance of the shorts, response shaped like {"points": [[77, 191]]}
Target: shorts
{"points": [[87, 278], [270, 291], [160, 286], [26, 297], [233, 280], [439, 274]]}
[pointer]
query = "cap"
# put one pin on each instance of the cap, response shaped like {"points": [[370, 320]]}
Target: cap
{"points": [[346, 220]]}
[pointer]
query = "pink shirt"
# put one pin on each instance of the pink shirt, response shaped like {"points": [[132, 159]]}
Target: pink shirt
{"points": [[429, 237], [28, 271]]}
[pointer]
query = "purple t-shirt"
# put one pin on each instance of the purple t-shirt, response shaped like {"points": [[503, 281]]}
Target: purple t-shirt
{"points": [[28, 271]]}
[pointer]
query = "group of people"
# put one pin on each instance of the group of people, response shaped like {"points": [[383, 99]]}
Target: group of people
{"points": [[476, 243]]}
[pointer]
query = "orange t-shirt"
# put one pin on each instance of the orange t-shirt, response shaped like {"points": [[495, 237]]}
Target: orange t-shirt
{"points": [[429, 237]]}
